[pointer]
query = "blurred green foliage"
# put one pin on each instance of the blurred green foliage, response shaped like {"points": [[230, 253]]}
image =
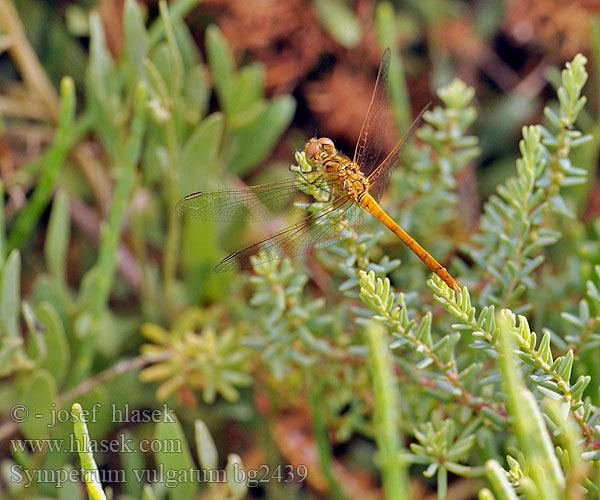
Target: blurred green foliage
{"points": [[410, 383]]}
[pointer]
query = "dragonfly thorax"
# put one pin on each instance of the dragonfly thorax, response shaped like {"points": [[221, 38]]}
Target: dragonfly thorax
{"points": [[337, 167], [353, 181]]}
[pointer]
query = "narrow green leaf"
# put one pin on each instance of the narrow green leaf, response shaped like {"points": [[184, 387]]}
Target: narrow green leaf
{"points": [[578, 388], [200, 153], [58, 235], [248, 88], [130, 464], [221, 64], [51, 163], [207, 451], [187, 46], [136, 38], [424, 363], [174, 57], [197, 90], [158, 88], [529, 423], [552, 392], [10, 295], [57, 363], [235, 479], [339, 20], [387, 402], [177, 10], [544, 349], [565, 366], [89, 468], [423, 332], [178, 459], [250, 144], [499, 482], [387, 35], [485, 494], [2, 228], [69, 490], [148, 493], [552, 117], [11, 356], [38, 398], [324, 451], [440, 344], [36, 347], [103, 89], [97, 282], [164, 63]]}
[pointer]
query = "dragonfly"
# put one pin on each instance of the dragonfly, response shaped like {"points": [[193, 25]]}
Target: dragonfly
{"points": [[346, 184]]}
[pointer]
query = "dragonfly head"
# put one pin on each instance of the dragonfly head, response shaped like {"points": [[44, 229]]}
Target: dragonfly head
{"points": [[319, 149]]}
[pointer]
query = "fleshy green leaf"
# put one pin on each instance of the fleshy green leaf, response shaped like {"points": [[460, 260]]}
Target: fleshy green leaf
{"points": [[136, 37], [10, 295], [337, 17], [200, 153], [57, 362], [221, 64], [58, 235], [250, 144], [178, 459], [38, 399]]}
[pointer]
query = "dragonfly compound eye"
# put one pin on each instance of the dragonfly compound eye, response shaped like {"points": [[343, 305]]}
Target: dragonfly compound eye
{"points": [[327, 146], [312, 148]]}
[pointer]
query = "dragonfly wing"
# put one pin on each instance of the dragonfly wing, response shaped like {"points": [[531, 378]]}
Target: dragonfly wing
{"points": [[317, 228], [250, 204], [378, 179], [372, 134]]}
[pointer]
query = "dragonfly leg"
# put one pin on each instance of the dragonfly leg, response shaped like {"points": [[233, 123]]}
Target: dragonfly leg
{"points": [[307, 171], [330, 197], [302, 173], [314, 181]]}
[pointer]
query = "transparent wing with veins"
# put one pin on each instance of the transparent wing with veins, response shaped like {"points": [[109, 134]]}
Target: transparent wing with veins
{"points": [[372, 133], [249, 204], [320, 228], [269, 201], [379, 178]]}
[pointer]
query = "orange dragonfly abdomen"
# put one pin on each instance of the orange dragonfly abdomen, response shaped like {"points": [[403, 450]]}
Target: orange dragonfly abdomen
{"points": [[367, 202], [350, 180]]}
